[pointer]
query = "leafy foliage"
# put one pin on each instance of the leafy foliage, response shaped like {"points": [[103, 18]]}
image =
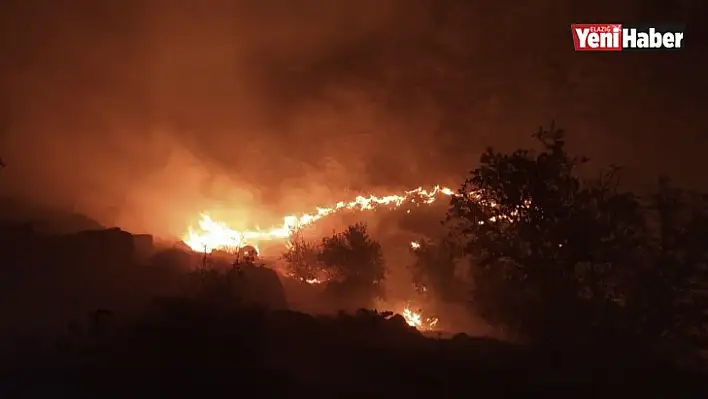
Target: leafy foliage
{"points": [[555, 256], [350, 261], [303, 259], [679, 246], [353, 255], [434, 270]]}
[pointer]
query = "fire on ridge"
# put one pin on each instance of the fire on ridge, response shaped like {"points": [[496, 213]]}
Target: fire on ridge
{"points": [[214, 235], [217, 235]]}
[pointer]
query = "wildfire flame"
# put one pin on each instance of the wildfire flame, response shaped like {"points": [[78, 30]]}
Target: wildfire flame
{"points": [[217, 235], [415, 319]]}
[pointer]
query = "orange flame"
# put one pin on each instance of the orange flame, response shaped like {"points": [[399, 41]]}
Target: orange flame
{"points": [[216, 235], [415, 319]]}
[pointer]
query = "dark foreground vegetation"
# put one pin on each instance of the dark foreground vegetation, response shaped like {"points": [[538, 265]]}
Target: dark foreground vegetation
{"points": [[198, 348], [601, 291]]}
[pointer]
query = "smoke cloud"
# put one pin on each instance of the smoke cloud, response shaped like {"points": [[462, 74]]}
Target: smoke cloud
{"points": [[144, 113]]}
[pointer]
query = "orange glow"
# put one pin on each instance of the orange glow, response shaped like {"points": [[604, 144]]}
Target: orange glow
{"points": [[217, 235], [415, 319]]}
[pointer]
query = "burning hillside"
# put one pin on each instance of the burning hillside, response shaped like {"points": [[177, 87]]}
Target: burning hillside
{"points": [[218, 235]]}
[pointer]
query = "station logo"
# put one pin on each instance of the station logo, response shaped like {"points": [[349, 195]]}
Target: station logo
{"points": [[618, 37]]}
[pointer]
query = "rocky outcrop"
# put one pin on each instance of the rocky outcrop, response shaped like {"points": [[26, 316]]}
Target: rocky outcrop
{"points": [[143, 246], [93, 248], [259, 285], [173, 258]]}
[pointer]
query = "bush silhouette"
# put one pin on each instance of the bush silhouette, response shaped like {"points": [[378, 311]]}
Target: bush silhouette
{"points": [[556, 256], [434, 270], [599, 272], [351, 263], [303, 259], [353, 255]]}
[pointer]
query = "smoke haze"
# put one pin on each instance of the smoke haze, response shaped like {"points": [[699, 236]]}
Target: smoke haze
{"points": [[144, 113]]}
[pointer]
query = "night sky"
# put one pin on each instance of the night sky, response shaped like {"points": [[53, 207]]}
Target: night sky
{"points": [[143, 113]]}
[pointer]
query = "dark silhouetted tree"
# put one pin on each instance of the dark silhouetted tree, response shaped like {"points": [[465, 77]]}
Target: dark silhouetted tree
{"points": [[353, 255], [351, 263], [355, 260], [303, 259], [550, 253], [434, 270], [679, 280]]}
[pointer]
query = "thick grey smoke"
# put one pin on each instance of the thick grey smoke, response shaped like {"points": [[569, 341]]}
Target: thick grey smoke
{"points": [[144, 113]]}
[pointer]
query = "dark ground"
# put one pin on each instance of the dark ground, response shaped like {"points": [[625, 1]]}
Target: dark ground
{"points": [[187, 346], [186, 349]]}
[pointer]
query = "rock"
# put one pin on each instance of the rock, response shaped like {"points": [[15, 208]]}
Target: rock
{"points": [[398, 322], [460, 338], [172, 258], [259, 285], [110, 246], [143, 246]]}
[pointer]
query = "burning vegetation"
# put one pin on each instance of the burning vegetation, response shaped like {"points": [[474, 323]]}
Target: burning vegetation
{"points": [[306, 260], [517, 215], [550, 260], [323, 264], [213, 235]]}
